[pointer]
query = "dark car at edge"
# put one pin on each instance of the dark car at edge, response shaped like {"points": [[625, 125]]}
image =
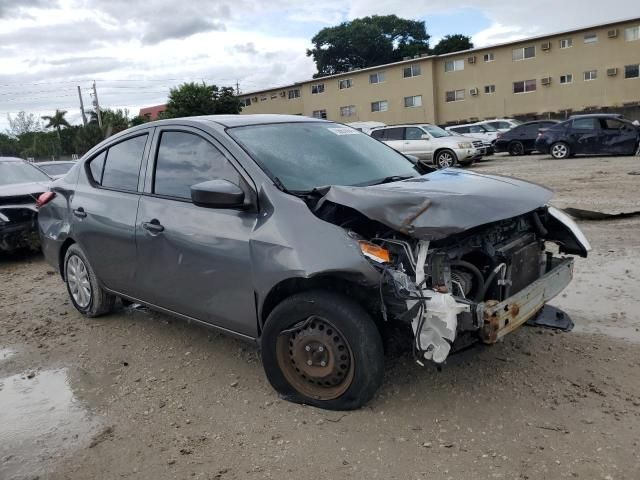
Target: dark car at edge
{"points": [[600, 134], [521, 140], [20, 186], [305, 237]]}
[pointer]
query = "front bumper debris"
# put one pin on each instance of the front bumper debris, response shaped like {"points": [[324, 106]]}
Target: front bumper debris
{"points": [[501, 318]]}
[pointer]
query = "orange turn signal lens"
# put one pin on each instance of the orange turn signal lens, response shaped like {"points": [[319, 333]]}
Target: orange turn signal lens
{"points": [[374, 252]]}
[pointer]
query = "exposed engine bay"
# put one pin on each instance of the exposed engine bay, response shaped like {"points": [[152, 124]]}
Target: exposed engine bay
{"points": [[18, 223], [476, 283]]}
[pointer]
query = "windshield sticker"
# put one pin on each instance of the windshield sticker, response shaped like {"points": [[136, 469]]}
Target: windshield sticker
{"points": [[344, 131]]}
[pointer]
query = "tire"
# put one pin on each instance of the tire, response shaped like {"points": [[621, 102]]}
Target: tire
{"points": [[446, 159], [317, 326], [85, 291], [560, 151], [516, 149]]}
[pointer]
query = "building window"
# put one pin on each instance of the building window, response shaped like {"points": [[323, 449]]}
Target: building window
{"points": [[380, 106], [590, 75], [295, 93], [274, 96], [489, 57], [566, 43], [568, 78], [247, 102], [489, 89], [411, 71], [591, 38], [525, 86], [414, 101], [319, 114], [348, 111], [632, 71], [346, 83], [377, 77], [454, 96], [453, 65], [263, 98], [316, 89], [524, 53], [632, 34]]}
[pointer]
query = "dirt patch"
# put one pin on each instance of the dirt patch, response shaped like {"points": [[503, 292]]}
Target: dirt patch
{"points": [[178, 401]]}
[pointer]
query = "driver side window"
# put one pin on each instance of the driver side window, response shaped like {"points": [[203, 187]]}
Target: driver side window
{"points": [[413, 133], [185, 159]]}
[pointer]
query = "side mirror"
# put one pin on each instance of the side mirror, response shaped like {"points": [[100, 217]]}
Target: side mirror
{"points": [[217, 193], [412, 159], [424, 136]]}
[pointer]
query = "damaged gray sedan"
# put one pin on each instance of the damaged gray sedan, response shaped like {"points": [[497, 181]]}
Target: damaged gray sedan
{"points": [[306, 237]]}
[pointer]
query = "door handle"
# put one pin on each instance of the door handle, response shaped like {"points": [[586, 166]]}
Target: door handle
{"points": [[153, 226], [80, 213]]}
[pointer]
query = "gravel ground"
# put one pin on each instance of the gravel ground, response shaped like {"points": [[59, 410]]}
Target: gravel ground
{"points": [[141, 395]]}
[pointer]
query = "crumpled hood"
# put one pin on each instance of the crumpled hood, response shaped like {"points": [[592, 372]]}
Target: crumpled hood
{"points": [[20, 189], [441, 203]]}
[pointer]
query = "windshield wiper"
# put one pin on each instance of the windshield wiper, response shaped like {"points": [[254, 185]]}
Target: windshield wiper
{"points": [[389, 179]]}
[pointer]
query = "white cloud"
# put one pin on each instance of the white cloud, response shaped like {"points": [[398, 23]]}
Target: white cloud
{"points": [[47, 48]]}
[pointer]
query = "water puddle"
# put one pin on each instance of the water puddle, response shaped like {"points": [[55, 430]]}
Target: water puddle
{"points": [[40, 421]]}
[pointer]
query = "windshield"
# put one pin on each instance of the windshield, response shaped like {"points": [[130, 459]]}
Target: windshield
{"points": [[304, 156], [18, 172], [436, 132]]}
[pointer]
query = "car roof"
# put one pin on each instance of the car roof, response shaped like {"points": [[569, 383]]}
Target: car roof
{"points": [[539, 121], [598, 115], [240, 120], [56, 162], [402, 125], [10, 159]]}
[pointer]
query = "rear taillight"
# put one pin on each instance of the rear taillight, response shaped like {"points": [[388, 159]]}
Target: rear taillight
{"points": [[44, 198]]}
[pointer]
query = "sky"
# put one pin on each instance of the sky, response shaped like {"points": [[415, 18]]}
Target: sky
{"points": [[136, 50]]}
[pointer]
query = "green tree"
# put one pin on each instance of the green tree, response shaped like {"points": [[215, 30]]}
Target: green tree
{"points": [[56, 121], [113, 121], [191, 99], [137, 120], [452, 43], [87, 137], [8, 146], [366, 42]]}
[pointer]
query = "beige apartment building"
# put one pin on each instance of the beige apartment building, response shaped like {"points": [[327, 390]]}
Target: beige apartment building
{"points": [[587, 69]]}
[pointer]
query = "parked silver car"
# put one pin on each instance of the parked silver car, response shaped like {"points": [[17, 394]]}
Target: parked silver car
{"points": [[431, 143], [306, 237]]}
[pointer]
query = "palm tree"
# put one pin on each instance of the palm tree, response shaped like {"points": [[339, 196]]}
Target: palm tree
{"points": [[57, 121]]}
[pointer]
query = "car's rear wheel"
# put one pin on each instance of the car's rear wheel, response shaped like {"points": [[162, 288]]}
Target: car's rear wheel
{"points": [[323, 349], [516, 149], [85, 292], [446, 159], [560, 151]]}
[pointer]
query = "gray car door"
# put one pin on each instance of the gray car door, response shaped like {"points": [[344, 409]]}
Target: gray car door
{"points": [[194, 260], [104, 208]]}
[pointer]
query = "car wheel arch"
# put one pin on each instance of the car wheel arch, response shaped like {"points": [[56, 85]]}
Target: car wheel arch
{"points": [[63, 252], [329, 282]]}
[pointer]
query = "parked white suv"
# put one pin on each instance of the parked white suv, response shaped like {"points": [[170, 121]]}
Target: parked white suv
{"points": [[430, 143], [486, 133]]}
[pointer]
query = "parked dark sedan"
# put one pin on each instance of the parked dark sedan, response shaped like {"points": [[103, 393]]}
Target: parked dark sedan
{"points": [[20, 185], [304, 236], [521, 140], [590, 135]]}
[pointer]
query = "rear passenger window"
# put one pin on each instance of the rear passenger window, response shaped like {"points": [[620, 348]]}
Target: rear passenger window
{"points": [[184, 160], [95, 167], [584, 124], [395, 133], [123, 164]]}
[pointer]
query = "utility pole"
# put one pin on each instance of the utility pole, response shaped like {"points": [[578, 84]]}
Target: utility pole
{"points": [[96, 104], [84, 117], [237, 88]]}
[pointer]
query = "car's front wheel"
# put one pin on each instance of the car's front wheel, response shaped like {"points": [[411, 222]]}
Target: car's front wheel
{"points": [[516, 149], [85, 292], [323, 349], [560, 151], [446, 159]]}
